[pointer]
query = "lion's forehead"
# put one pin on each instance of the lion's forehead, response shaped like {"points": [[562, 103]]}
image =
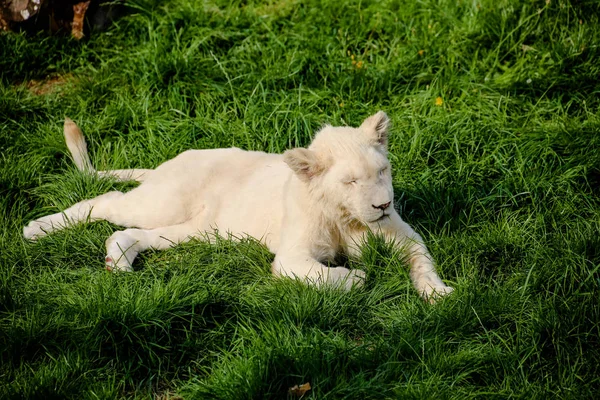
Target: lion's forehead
{"points": [[362, 163]]}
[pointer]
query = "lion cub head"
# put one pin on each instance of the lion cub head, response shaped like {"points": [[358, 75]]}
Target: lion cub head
{"points": [[346, 170]]}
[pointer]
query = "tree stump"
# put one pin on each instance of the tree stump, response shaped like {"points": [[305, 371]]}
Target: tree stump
{"points": [[61, 14]]}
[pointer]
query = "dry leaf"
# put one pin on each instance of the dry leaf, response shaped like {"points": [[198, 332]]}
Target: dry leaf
{"points": [[299, 390], [526, 47], [79, 10]]}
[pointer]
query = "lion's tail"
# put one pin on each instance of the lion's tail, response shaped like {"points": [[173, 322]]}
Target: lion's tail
{"points": [[78, 149], [77, 146]]}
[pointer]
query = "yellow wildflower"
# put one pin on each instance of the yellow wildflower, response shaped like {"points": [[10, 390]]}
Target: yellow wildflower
{"points": [[439, 101]]}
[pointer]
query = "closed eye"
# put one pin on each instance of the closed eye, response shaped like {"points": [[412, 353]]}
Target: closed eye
{"points": [[382, 170], [350, 181]]}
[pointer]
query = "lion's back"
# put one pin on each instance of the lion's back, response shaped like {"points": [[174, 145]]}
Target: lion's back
{"points": [[240, 192]]}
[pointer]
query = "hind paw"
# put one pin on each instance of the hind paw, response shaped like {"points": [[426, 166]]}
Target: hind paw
{"points": [[120, 252], [117, 266]]}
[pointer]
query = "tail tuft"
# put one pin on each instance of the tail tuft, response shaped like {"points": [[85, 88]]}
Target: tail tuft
{"points": [[77, 146]]}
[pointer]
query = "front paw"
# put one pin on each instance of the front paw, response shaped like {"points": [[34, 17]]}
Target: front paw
{"points": [[35, 230], [435, 293], [358, 277], [344, 278], [354, 278]]}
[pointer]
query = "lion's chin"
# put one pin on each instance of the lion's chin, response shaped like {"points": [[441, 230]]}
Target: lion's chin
{"points": [[370, 221], [376, 222], [383, 218]]}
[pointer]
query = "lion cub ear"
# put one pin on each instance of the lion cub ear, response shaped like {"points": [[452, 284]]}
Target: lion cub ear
{"points": [[377, 126], [303, 162]]}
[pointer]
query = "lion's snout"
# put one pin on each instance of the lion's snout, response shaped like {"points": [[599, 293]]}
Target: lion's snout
{"points": [[383, 206]]}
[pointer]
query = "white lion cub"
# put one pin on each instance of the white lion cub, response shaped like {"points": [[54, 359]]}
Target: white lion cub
{"points": [[306, 205]]}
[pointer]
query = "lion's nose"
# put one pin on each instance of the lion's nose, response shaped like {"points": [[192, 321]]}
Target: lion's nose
{"points": [[382, 207]]}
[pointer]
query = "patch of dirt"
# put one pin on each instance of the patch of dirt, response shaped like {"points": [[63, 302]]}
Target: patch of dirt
{"points": [[42, 87]]}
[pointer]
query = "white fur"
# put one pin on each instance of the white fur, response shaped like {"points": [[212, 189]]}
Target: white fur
{"points": [[306, 205]]}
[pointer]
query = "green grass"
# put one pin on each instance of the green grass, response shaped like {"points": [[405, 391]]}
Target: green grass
{"points": [[502, 180]]}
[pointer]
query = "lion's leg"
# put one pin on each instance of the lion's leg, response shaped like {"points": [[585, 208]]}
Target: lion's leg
{"points": [[313, 272], [123, 246], [98, 208], [422, 270]]}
